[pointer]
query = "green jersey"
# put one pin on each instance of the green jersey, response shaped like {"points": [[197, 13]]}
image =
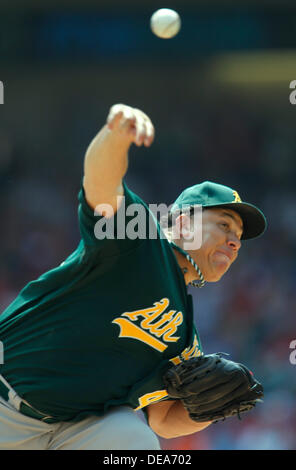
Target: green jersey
{"points": [[100, 329]]}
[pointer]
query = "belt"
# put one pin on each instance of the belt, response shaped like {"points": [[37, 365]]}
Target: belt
{"points": [[21, 405]]}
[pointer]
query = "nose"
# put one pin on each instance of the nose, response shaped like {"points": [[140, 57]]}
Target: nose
{"points": [[234, 243]]}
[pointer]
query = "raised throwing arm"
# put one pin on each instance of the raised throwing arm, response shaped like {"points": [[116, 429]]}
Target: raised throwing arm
{"points": [[106, 158]]}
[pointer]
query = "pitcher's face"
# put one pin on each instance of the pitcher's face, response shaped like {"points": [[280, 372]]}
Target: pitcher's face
{"points": [[222, 229]]}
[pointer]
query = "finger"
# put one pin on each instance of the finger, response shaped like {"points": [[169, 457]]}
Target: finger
{"points": [[140, 130], [149, 133], [120, 114], [133, 121], [145, 132], [115, 115], [128, 115], [113, 121]]}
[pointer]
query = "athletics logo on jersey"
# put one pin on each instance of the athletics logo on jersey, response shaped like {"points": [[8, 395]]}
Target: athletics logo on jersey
{"points": [[157, 326]]}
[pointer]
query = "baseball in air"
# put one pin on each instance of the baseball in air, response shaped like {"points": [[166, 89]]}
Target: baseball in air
{"points": [[165, 23]]}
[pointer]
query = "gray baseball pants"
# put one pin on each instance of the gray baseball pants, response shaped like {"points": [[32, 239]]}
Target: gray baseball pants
{"points": [[120, 429]]}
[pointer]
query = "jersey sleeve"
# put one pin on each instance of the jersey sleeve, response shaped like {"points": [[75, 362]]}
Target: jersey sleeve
{"points": [[124, 231]]}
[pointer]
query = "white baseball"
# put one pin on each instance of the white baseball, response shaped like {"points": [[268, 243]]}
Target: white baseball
{"points": [[165, 23]]}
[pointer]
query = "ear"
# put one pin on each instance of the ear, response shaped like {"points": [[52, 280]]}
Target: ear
{"points": [[182, 227]]}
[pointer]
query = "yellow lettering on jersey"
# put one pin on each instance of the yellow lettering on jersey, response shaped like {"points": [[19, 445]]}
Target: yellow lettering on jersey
{"points": [[188, 353], [171, 328], [129, 330], [156, 322], [154, 329], [149, 314], [149, 398]]}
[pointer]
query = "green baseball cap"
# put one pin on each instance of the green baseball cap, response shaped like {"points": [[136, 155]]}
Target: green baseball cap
{"points": [[209, 194]]}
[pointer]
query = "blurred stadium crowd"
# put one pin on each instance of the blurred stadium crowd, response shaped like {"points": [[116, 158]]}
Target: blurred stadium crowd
{"points": [[45, 128]]}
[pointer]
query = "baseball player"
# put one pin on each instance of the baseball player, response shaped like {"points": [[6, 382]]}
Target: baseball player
{"points": [[87, 344]]}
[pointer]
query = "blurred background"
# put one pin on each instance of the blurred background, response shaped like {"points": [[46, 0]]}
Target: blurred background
{"points": [[218, 94]]}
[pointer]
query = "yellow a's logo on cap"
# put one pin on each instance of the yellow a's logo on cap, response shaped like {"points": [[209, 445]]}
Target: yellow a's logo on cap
{"points": [[236, 197]]}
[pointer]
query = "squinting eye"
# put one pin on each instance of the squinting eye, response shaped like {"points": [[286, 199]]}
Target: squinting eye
{"points": [[225, 224]]}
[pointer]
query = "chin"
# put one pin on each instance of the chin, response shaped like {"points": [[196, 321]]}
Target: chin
{"points": [[214, 278], [216, 275]]}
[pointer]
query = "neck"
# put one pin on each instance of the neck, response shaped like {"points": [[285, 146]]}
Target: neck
{"points": [[191, 271], [186, 267]]}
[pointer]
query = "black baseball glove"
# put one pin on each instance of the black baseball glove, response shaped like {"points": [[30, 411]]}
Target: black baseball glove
{"points": [[213, 388]]}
